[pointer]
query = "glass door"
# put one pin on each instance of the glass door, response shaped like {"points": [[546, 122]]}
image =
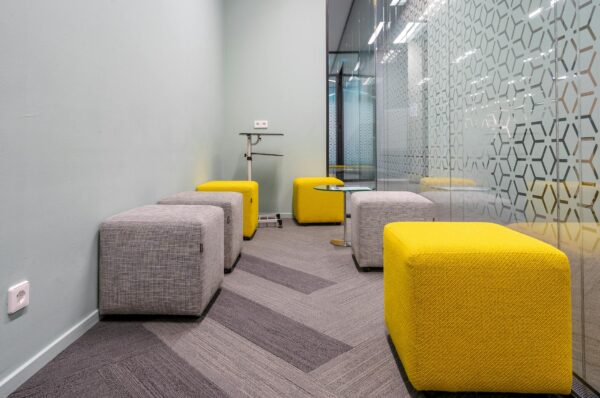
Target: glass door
{"points": [[351, 138]]}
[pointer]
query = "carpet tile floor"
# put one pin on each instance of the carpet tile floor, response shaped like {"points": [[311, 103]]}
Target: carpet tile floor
{"points": [[294, 319]]}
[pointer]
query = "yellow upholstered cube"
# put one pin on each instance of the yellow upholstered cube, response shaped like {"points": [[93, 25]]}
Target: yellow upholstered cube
{"points": [[249, 190], [430, 183], [477, 307], [311, 206]]}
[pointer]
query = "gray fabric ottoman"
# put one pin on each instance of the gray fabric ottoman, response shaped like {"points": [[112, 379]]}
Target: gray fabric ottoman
{"points": [[469, 206], [232, 205], [371, 211], [161, 260]]}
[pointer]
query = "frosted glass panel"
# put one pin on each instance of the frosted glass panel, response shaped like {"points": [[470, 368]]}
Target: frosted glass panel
{"points": [[491, 109]]}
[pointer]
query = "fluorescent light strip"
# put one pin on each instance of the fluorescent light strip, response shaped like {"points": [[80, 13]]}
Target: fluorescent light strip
{"points": [[402, 36], [357, 66], [408, 32], [376, 33], [535, 13], [397, 3]]}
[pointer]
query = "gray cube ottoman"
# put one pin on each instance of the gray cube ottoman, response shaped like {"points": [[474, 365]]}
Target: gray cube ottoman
{"points": [[161, 260], [371, 211], [469, 206], [232, 205]]}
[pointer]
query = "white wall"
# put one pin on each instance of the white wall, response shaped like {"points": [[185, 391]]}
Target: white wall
{"points": [[276, 70], [104, 106]]}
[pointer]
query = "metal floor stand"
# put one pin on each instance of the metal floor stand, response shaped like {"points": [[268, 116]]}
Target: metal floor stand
{"points": [[253, 139], [270, 220]]}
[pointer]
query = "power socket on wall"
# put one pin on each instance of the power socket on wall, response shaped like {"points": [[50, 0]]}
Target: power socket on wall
{"points": [[261, 124], [18, 297]]}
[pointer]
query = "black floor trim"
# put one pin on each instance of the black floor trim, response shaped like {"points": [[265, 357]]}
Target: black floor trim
{"points": [[412, 392], [237, 260], [314, 224], [580, 388], [253, 235], [365, 269], [165, 318]]}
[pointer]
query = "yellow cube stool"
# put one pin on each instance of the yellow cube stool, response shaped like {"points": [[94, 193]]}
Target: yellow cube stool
{"points": [[477, 307], [430, 183], [317, 207], [249, 190]]}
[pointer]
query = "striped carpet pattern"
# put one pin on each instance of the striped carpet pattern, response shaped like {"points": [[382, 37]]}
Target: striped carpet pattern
{"points": [[295, 319]]}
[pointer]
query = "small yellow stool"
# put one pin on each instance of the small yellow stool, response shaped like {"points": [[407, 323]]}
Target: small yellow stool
{"points": [[478, 307], [430, 183], [317, 207], [249, 190]]}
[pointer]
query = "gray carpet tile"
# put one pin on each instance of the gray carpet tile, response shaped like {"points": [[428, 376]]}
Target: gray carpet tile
{"points": [[238, 366], [289, 277], [105, 343], [87, 383], [301, 346], [159, 373], [118, 359]]}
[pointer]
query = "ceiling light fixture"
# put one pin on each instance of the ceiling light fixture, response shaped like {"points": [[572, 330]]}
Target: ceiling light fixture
{"points": [[397, 3], [535, 13], [376, 33], [408, 32]]}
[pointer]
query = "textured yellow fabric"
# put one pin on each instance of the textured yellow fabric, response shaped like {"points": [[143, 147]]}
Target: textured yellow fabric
{"points": [[312, 206], [429, 183], [477, 307], [249, 190]]}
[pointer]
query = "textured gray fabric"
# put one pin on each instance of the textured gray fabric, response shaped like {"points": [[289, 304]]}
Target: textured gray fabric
{"points": [[232, 205], [468, 206], [294, 279], [301, 346], [371, 211], [161, 260]]}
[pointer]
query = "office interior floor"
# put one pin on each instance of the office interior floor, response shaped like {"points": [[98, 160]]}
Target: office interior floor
{"points": [[294, 319]]}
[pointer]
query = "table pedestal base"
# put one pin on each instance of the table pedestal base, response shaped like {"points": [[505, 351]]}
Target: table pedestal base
{"points": [[340, 242]]}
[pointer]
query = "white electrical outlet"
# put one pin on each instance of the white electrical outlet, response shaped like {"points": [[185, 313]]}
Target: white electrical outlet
{"points": [[261, 124], [18, 297]]}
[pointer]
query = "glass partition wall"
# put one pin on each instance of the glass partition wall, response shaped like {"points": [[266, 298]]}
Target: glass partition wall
{"points": [[491, 109], [352, 102]]}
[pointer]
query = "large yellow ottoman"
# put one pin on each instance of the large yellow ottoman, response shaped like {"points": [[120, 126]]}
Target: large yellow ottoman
{"points": [[477, 307], [249, 191], [313, 207]]}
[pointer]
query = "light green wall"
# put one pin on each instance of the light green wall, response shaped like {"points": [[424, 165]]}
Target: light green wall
{"points": [[275, 67], [104, 106]]}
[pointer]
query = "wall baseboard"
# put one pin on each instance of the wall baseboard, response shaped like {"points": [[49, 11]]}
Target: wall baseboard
{"points": [[20, 375]]}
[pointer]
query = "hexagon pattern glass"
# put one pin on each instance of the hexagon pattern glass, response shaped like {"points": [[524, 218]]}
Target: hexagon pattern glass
{"points": [[491, 109]]}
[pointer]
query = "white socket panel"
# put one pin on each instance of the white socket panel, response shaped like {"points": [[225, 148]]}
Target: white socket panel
{"points": [[261, 124], [18, 297]]}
